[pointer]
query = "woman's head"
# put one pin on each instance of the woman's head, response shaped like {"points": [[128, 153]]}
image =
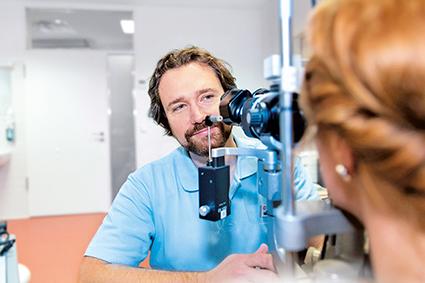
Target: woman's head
{"points": [[365, 85]]}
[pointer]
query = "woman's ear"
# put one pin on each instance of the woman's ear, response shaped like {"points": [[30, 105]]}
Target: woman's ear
{"points": [[342, 153]]}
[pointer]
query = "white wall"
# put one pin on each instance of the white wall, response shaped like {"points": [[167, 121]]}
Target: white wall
{"points": [[235, 35], [271, 25], [13, 194], [271, 29], [12, 31]]}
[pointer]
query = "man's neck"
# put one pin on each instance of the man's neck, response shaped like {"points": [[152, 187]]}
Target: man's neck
{"points": [[200, 161]]}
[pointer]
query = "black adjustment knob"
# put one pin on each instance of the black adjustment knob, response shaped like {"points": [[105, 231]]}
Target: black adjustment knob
{"points": [[254, 118]]}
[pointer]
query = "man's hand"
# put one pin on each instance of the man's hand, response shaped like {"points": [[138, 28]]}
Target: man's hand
{"points": [[256, 267]]}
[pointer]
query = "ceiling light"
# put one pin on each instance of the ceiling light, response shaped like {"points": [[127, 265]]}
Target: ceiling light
{"points": [[127, 26]]}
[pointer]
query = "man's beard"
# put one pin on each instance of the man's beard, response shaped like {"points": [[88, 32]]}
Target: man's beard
{"points": [[200, 146]]}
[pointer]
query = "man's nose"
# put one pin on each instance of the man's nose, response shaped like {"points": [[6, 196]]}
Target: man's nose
{"points": [[197, 115]]}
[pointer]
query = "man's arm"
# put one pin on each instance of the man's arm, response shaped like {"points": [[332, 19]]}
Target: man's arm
{"points": [[94, 270], [241, 267], [306, 190], [303, 186]]}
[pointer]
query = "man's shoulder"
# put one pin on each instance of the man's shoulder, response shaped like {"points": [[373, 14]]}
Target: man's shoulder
{"points": [[176, 154], [160, 171], [163, 163]]}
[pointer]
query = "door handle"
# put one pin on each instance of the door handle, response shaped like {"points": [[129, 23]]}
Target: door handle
{"points": [[99, 136]]}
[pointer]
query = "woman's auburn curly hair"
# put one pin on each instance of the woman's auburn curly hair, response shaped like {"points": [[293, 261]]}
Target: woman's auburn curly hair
{"points": [[366, 81]]}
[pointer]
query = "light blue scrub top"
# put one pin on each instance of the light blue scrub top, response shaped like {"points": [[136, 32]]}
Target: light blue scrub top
{"points": [[157, 209]]}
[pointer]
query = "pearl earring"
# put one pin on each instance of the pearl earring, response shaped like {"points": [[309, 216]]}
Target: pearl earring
{"points": [[342, 171]]}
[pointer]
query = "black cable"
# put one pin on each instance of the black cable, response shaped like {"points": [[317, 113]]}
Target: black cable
{"points": [[325, 244], [6, 246], [5, 242]]}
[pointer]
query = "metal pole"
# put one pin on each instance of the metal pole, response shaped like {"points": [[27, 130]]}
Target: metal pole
{"points": [[288, 86]]}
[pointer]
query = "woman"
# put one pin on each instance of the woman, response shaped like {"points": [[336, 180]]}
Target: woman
{"points": [[364, 94]]}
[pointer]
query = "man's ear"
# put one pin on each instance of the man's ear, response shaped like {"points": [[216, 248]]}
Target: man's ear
{"points": [[342, 153]]}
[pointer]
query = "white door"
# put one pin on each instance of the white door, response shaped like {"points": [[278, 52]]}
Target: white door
{"points": [[67, 132]]}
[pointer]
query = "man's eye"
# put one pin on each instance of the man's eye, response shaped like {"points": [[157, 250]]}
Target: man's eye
{"points": [[178, 108], [208, 97]]}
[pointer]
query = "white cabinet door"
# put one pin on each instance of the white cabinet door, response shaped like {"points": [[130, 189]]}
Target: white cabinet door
{"points": [[67, 132]]}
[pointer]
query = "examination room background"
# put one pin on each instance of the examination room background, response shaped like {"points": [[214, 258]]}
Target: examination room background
{"points": [[57, 184]]}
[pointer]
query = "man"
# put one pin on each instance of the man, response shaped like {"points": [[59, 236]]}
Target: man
{"points": [[156, 210]]}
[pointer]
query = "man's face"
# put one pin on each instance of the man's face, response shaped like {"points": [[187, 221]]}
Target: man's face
{"points": [[188, 94]]}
